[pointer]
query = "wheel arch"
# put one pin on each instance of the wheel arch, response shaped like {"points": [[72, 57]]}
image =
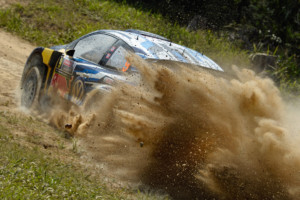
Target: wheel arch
{"points": [[35, 56], [45, 59]]}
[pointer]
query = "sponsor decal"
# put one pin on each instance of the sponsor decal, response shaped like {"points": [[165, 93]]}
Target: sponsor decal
{"points": [[60, 63], [127, 65], [67, 66], [113, 49], [67, 63], [108, 55], [61, 83]]}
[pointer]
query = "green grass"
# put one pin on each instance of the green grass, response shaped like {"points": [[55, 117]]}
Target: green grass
{"points": [[31, 174], [54, 22], [287, 75], [28, 174], [37, 161]]}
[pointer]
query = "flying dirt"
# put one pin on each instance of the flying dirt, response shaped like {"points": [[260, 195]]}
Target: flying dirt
{"points": [[184, 131], [193, 134]]}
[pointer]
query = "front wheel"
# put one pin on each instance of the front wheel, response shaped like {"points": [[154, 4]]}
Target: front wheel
{"points": [[31, 87], [77, 92]]}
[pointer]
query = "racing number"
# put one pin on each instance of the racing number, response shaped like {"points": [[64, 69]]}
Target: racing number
{"points": [[127, 65]]}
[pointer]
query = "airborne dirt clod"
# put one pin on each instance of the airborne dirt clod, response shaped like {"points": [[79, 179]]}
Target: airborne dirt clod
{"points": [[188, 132]]}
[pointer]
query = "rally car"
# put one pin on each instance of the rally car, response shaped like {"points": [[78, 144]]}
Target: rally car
{"points": [[96, 61]]}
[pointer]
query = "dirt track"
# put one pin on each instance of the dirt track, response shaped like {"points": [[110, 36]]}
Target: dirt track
{"points": [[13, 55], [238, 141]]}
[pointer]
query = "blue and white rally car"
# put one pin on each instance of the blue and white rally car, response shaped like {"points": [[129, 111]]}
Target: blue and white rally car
{"points": [[97, 60]]}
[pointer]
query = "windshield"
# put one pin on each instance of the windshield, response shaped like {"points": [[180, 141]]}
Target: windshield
{"points": [[153, 48], [163, 50]]}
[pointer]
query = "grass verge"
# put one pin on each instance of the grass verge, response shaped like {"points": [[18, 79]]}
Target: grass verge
{"points": [[30, 173], [55, 22]]}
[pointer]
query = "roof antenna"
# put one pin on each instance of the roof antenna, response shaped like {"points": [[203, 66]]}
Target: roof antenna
{"points": [[183, 51]]}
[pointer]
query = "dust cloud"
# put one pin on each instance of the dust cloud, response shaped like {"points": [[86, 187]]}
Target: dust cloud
{"points": [[192, 134]]}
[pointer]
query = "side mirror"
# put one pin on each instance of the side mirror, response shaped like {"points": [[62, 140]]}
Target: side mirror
{"points": [[70, 52]]}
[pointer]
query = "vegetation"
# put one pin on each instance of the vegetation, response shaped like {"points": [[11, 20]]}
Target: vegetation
{"points": [[54, 22], [273, 22], [28, 171], [287, 75], [254, 25], [29, 174]]}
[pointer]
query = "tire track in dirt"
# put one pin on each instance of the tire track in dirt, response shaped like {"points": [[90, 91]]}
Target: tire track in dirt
{"points": [[13, 54]]}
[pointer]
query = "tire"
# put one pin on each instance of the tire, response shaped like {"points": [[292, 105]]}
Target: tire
{"points": [[77, 93], [31, 86]]}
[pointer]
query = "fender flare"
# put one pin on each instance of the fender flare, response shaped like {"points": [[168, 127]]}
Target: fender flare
{"points": [[49, 59], [37, 51]]}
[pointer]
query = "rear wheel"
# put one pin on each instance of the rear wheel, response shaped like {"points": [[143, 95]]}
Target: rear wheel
{"points": [[31, 86]]}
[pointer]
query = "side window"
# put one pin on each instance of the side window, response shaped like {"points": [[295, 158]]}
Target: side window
{"points": [[93, 48], [118, 59]]}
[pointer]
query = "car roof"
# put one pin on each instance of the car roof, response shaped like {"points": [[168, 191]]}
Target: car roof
{"points": [[145, 33], [152, 46]]}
